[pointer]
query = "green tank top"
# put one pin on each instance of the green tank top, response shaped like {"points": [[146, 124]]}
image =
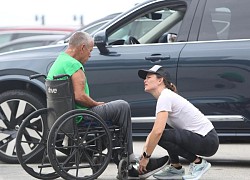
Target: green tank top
{"points": [[65, 64]]}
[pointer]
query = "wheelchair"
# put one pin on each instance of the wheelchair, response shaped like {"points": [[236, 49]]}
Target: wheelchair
{"points": [[60, 141]]}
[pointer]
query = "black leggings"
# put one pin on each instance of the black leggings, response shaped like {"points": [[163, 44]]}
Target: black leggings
{"points": [[179, 142]]}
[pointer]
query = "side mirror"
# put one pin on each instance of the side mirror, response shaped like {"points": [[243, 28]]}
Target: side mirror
{"points": [[168, 38], [171, 37], [100, 39], [154, 16]]}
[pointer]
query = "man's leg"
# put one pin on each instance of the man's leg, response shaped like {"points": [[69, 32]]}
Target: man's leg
{"points": [[120, 114]]}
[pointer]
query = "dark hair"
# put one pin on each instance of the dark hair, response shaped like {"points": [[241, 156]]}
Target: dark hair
{"points": [[168, 84]]}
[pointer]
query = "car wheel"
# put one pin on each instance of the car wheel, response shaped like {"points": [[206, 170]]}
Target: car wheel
{"points": [[15, 106]]}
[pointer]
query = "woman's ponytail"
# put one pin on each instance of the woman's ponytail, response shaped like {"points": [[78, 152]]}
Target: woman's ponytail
{"points": [[168, 84], [172, 87]]}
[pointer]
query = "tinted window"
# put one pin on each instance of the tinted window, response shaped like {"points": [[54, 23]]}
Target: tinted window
{"points": [[94, 27], [12, 36], [21, 46], [5, 38], [225, 20], [21, 35]]}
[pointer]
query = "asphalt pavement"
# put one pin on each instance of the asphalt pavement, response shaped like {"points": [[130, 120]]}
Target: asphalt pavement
{"points": [[231, 162]]}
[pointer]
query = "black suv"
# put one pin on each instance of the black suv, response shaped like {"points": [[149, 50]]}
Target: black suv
{"points": [[205, 44]]}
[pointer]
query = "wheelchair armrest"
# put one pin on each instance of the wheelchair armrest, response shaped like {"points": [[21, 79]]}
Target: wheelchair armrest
{"points": [[35, 76], [61, 76]]}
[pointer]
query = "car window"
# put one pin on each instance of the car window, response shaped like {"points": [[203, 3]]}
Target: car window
{"points": [[94, 27], [150, 26], [221, 20], [21, 35], [5, 38], [21, 46]]}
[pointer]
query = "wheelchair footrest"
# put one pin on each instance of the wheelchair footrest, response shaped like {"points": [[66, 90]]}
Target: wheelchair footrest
{"points": [[44, 166]]}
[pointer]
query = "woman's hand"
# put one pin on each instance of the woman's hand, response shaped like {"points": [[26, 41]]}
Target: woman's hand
{"points": [[143, 164]]}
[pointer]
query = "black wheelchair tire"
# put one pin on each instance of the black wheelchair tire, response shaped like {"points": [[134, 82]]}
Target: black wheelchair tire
{"points": [[58, 128], [123, 170], [32, 136]]}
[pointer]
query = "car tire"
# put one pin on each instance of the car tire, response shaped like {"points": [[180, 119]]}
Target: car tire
{"points": [[15, 106]]}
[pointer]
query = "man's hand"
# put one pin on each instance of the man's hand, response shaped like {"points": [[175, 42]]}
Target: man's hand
{"points": [[100, 103]]}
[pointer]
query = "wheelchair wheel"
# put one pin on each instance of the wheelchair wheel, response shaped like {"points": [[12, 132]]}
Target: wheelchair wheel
{"points": [[123, 170], [31, 146], [85, 155]]}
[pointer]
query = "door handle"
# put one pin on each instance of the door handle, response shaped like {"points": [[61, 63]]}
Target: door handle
{"points": [[157, 58]]}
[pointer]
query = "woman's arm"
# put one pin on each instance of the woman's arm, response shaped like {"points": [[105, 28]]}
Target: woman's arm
{"points": [[156, 132], [153, 138]]}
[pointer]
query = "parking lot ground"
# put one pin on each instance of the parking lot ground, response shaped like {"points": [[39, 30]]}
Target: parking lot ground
{"points": [[231, 162]]}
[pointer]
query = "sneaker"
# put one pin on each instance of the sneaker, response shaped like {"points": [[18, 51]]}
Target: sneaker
{"points": [[133, 173], [197, 170], [154, 165], [170, 172]]}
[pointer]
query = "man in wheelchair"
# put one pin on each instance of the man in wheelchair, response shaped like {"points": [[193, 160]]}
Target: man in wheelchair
{"points": [[71, 62], [118, 112]]}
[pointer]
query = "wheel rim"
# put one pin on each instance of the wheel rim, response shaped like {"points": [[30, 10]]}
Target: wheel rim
{"points": [[12, 113]]}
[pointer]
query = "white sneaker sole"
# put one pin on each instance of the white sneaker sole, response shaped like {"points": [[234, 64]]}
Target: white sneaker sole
{"points": [[203, 172], [145, 176], [167, 178], [133, 178]]}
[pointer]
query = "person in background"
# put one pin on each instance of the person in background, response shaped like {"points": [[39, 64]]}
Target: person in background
{"points": [[191, 134], [71, 62]]}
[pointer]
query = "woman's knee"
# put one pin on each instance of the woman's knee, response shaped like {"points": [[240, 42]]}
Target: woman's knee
{"points": [[213, 148]]}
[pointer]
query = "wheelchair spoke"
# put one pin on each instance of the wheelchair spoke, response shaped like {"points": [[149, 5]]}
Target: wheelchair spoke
{"points": [[86, 146], [38, 151], [67, 160]]}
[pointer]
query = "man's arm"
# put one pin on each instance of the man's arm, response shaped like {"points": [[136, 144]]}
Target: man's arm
{"points": [[78, 81]]}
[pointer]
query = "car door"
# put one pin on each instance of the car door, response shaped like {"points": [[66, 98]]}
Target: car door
{"points": [[114, 75], [213, 70]]}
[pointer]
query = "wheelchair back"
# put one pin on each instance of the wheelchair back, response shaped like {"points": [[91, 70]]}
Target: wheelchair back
{"points": [[60, 97]]}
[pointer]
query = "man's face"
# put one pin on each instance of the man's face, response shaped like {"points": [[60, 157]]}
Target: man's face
{"points": [[86, 52]]}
